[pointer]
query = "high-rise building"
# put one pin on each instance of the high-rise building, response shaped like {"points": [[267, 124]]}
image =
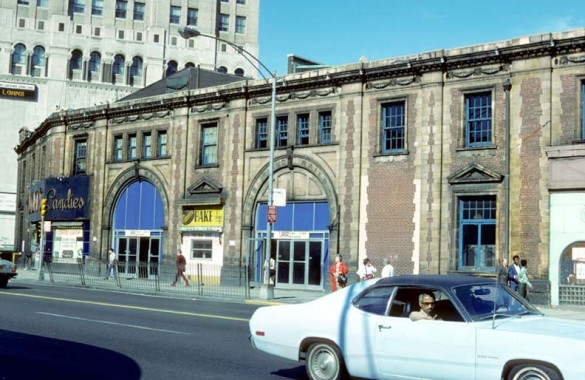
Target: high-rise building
{"points": [[69, 54]]}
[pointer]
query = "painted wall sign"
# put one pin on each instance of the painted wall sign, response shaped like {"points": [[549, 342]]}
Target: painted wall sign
{"points": [[68, 198], [18, 91], [203, 216]]}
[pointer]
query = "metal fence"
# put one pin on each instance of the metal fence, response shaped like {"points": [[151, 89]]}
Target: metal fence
{"points": [[204, 279]]}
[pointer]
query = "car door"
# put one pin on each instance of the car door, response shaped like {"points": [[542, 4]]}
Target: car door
{"points": [[424, 349]]}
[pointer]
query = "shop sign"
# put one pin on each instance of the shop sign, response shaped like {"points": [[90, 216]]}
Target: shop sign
{"points": [[18, 91], [300, 235], [7, 202], [68, 198], [202, 216], [137, 233]]}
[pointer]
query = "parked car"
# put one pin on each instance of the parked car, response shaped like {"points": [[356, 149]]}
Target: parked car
{"points": [[7, 271], [483, 331]]}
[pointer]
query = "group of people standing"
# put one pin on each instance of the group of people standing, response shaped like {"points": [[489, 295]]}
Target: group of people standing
{"points": [[339, 271], [515, 276]]}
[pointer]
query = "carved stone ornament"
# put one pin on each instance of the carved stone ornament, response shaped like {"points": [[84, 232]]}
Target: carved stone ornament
{"points": [[474, 173], [489, 70], [393, 83]]}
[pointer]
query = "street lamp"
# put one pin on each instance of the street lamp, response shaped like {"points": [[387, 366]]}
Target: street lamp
{"points": [[267, 289]]}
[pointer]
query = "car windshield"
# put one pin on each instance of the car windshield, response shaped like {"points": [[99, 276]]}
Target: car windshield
{"points": [[487, 301]]}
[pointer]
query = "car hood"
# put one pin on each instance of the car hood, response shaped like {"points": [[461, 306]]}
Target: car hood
{"points": [[545, 326]]}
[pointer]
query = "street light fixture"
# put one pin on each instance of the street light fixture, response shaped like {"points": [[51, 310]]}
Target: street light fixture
{"points": [[267, 289]]}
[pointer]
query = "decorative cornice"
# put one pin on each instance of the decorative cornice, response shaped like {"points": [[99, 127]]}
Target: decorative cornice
{"points": [[139, 117], [564, 60], [208, 107], [490, 70], [80, 126], [393, 83]]}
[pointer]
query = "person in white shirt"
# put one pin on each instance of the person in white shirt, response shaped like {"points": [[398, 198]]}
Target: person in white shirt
{"points": [[367, 271], [388, 270]]}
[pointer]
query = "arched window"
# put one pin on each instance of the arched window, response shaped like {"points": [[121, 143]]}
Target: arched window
{"points": [[19, 59], [171, 68], [136, 71], [239, 72], [75, 64], [38, 62], [118, 69], [222, 69], [189, 64], [95, 63]]}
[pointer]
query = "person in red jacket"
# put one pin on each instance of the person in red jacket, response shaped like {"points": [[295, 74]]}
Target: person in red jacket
{"points": [[338, 272], [181, 264]]}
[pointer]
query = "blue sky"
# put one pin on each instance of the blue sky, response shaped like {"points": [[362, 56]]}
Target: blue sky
{"points": [[338, 32]]}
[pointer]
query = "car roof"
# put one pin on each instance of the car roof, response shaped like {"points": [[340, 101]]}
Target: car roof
{"points": [[439, 280]]}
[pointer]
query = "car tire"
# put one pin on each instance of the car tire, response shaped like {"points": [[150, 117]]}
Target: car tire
{"points": [[533, 372], [324, 362]]}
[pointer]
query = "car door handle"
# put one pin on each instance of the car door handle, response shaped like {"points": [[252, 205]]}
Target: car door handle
{"points": [[380, 327]]}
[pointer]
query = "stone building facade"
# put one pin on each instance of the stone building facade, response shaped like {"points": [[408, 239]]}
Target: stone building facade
{"points": [[444, 162], [71, 54]]}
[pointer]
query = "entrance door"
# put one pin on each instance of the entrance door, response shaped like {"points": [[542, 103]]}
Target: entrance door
{"points": [[298, 263], [138, 256]]}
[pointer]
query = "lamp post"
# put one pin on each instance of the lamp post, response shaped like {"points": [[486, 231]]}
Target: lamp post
{"points": [[267, 289]]}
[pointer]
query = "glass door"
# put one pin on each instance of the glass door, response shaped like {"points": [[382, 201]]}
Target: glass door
{"points": [[299, 263]]}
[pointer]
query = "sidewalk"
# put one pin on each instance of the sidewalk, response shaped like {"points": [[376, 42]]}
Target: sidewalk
{"points": [[287, 296]]}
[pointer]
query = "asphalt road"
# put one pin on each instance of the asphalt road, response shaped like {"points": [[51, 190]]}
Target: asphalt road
{"points": [[70, 333]]}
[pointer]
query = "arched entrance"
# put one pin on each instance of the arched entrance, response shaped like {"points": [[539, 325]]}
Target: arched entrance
{"points": [[572, 274], [303, 229], [137, 228]]}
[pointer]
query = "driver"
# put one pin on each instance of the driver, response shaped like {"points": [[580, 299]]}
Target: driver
{"points": [[426, 302]]}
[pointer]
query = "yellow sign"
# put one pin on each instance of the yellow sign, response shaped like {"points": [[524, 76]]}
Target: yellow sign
{"points": [[208, 216]]}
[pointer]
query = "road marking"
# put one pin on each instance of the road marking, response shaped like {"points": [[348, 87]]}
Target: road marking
{"points": [[112, 323], [200, 315]]}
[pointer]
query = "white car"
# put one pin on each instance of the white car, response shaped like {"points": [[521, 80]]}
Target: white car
{"points": [[482, 331], [7, 271]]}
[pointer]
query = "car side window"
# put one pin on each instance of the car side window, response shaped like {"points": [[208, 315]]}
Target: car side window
{"points": [[375, 300], [405, 301]]}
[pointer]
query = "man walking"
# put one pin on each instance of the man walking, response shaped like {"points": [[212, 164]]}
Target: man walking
{"points": [[181, 263], [111, 263]]}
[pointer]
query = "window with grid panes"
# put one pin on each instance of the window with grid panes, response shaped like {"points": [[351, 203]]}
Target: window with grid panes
{"points": [[78, 6], [118, 148], [97, 7], [175, 15], [393, 127], [209, 144], [192, 16], [282, 131], [80, 157], [147, 145], [478, 119], [477, 232], [162, 144], [325, 127], [261, 140], [121, 8], [201, 249], [139, 9], [132, 147], [240, 24], [223, 22], [303, 129]]}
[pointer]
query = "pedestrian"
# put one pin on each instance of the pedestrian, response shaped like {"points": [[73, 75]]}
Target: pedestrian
{"points": [[502, 272], [338, 272], [367, 271], [111, 263], [181, 263], [27, 260], [513, 272], [523, 283], [388, 269]]}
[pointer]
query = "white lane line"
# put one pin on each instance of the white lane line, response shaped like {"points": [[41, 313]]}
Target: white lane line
{"points": [[113, 323]]}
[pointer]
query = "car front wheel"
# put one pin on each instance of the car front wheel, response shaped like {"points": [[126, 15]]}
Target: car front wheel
{"points": [[533, 372], [324, 362]]}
